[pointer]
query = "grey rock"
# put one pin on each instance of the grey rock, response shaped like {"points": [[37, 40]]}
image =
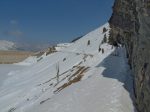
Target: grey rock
{"points": [[130, 26]]}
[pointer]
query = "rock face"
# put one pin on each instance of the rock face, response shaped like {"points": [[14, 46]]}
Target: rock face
{"points": [[130, 24]]}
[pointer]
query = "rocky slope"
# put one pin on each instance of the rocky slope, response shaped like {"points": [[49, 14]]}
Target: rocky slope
{"points": [[130, 23]]}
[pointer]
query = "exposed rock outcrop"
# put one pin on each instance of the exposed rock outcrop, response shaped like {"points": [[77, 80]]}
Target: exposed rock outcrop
{"points": [[130, 24]]}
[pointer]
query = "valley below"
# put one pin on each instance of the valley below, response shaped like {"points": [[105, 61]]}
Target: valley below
{"points": [[10, 57]]}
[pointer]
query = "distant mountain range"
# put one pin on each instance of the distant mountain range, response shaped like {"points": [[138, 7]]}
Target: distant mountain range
{"points": [[9, 45]]}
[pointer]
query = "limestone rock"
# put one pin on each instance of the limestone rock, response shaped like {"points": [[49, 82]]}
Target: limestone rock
{"points": [[130, 26]]}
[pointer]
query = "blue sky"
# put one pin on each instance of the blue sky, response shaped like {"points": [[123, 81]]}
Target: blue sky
{"points": [[51, 21]]}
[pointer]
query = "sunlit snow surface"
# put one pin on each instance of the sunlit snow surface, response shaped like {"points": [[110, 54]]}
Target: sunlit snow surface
{"points": [[103, 88]]}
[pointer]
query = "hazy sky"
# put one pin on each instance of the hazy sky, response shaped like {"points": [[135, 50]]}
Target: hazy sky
{"points": [[51, 21]]}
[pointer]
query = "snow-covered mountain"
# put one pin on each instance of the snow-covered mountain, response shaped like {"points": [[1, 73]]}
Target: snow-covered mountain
{"points": [[7, 45], [88, 75]]}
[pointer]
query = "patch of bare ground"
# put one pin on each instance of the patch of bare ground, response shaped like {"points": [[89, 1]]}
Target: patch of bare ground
{"points": [[76, 77], [70, 70], [12, 109], [48, 51], [72, 75], [44, 101]]}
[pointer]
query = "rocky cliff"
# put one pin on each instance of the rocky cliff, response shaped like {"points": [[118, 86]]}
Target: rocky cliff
{"points": [[130, 26]]}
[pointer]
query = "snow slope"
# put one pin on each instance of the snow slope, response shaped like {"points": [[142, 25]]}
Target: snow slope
{"points": [[62, 46], [31, 60], [78, 78], [6, 45]]}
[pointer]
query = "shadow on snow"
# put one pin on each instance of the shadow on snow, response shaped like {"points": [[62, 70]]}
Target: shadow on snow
{"points": [[116, 67]]}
